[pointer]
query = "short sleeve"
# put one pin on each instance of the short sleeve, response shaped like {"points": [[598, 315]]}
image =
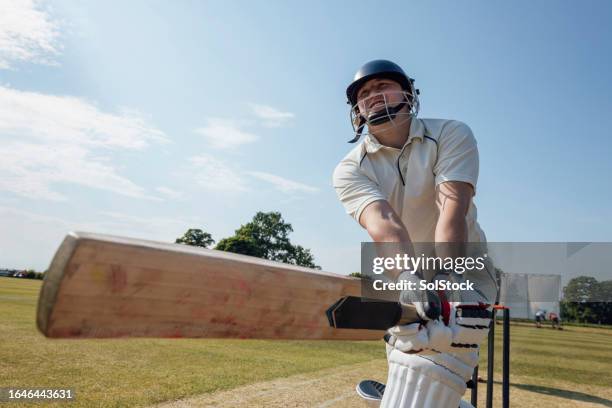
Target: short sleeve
{"points": [[457, 155], [355, 190]]}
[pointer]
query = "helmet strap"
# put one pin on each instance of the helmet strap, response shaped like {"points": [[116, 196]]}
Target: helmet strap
{"points": [[379, 118], [360, 126]]}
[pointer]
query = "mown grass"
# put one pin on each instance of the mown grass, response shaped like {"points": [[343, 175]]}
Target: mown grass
{"points": [[144, 371], [578, 355], [138, 372]]}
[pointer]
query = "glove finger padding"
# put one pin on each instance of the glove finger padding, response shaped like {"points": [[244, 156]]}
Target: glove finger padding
{"points": [[408, 338], [440, 336], [470, 325], [416, 337]]}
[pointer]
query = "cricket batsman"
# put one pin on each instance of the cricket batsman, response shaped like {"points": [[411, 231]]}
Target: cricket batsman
{"points": [[412, 180]]}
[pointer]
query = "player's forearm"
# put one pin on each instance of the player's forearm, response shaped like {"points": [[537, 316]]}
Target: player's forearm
{"points": [[450, 235], [453, 200], [384, 226], [388, 232], [391, 234]]}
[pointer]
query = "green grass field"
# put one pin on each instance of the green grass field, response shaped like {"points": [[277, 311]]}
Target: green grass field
{"points": [[575, 364]]}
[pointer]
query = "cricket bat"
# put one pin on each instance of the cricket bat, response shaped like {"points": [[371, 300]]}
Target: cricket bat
{"points": [[352, 312], [101, 286]]}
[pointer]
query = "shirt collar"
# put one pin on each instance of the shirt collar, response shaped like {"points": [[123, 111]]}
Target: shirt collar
{"points": [[417, 130]]}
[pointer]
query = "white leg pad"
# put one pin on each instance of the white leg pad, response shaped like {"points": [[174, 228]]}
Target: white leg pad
{"points": [[414, 382]]}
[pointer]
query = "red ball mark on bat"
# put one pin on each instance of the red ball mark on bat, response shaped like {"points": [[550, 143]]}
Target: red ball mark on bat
{"points": [[68, 332], [245, 287], [71, 270], [175, 335], [229, 321], [313, 323], [137, 287], [184, 297], [229, 333], [123, 310], [152, 275], [286, 305], [118, 278], [199, 312]]}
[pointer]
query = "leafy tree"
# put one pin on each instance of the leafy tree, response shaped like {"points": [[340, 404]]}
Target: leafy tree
{"points": [[196, 237], [603, 311], [357, 275], [580, 289], [240, 245], [603, 305], [298, 255], [587, 301], [603, 291], [267, 236]]}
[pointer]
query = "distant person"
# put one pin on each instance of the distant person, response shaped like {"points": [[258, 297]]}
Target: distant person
{"points": [[554, 319], [540, 316]]}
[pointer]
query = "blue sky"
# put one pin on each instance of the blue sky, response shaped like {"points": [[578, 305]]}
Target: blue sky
{"points": [[145, 118]]}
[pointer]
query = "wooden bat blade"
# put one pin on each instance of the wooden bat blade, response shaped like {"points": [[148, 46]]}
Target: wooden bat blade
{"points": [[353, 312], [101, 286]]}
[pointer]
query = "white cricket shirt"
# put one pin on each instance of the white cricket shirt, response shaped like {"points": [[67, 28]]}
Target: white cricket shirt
{"points": [[436, 151]]}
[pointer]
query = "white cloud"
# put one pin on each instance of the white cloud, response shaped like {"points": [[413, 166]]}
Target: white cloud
{"points": [[283, 184], [228, 134], [214, 174], [66, 119], [225, 134], [135, 225], [27, 33], [271, 117], [24, 230], [49, 139], [169, 193], [30, 170]]}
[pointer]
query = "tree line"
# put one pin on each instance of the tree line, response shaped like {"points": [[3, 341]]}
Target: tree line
{"points": [[585, 300], [265, 236], [26, 274]]}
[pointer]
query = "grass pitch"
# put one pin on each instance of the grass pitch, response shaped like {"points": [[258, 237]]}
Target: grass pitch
{"points": [[573, 366]]}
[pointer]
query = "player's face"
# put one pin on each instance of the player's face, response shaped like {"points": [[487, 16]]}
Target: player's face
{"points": [[373, 94]]}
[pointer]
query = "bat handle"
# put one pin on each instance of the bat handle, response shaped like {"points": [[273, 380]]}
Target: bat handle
{"points": [[431, 308], [409, 314]]}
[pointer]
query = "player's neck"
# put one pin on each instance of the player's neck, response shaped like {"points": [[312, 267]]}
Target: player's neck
{"points": [[393, 136]]}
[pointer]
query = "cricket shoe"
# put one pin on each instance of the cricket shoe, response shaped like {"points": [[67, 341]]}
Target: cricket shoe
{"points": [[372, 392]]}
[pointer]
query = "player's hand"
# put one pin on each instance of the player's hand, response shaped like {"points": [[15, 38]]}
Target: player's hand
{"points": [[466, 313], [426, 302], [462, 326], [467, 328], [430, 333]]}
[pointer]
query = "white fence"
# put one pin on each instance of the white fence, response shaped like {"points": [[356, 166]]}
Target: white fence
{"points": [[525, 294]]}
